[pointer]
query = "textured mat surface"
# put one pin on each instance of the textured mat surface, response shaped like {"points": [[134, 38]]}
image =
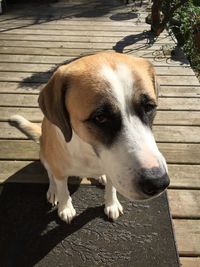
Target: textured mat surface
{"points": [[31, 234]]}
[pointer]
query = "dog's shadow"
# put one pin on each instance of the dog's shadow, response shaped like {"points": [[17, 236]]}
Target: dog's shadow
{"points": [[30, 228]]}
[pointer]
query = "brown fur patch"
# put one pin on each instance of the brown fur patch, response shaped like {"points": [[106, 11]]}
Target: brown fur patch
{"points": [[53, 149]]}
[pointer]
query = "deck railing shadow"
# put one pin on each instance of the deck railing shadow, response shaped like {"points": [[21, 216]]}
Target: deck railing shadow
{"points": [[147, 36]]}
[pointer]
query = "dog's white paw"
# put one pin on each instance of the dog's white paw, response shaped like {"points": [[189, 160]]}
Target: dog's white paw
{"points": [[67, 213], [102, 180], [52, 196], [113, 210]]}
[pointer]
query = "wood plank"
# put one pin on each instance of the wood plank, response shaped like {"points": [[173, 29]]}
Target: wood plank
{"points": [[44, 76], [160, 70], [44, 17], [54, 59], [28, 150], [73, 38], [30, 67], [190, 261], [72, 33], [66, 16], [41, 77], [32, 114], [184, 176], [18, 150], [9, 132], [136, 49], [19, 101], [188, 237], [71, 27], [49, 52], [179, 103], [76, 45], [14, 58], [22, 172], [177, 117], [43, 14], [181, 153], [182, 134], [179, 91], [179, 134], [63, 22], [184, 203], [31, 100], [174, 81], [115, 32], [20, 88], [162, 117]]}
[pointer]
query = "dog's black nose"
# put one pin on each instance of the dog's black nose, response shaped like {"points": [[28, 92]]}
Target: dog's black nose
{"points": [[153, 181]]}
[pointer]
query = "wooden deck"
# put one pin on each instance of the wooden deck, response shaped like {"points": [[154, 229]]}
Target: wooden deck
{"points": [[34, 40]]}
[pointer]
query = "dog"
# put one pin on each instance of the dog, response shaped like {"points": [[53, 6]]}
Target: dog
{"points": [[98, 113]]}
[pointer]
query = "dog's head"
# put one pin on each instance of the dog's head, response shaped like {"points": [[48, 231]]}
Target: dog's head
{"points": [[109, 100]]}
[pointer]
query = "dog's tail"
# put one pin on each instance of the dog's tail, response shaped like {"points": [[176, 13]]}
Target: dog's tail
{"points": [[32, 130]]}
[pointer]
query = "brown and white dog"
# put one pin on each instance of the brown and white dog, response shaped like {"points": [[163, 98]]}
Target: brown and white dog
{"points": [[98, 115]]}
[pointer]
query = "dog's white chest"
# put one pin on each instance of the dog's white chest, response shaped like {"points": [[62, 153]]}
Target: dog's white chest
{"points": [[84, 161]]}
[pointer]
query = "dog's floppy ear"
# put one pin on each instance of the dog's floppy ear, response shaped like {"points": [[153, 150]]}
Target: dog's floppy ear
{"points": [[155, 80], [156, 85], [52, 103]]}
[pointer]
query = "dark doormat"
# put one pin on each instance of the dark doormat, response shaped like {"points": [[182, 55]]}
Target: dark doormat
{"points": [[31, 234]]}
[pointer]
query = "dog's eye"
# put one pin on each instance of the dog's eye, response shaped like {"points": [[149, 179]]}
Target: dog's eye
{"points": [[100, 119], [148, 108]]}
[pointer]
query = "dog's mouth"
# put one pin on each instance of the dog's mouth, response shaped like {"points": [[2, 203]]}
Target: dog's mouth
{"points": [[137, 191]]}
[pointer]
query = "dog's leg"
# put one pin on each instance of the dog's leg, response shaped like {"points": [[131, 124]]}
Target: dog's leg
{"points": [[66, 210], [102, 179], [112, 206], [52, 191]]}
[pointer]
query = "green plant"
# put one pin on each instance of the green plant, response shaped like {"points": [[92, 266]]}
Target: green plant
{"points": [[189, 21]]}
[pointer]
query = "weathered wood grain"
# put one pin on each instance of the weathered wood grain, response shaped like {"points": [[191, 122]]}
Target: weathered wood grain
{"points": [[178, 134], [179, 91], [74, 22], [184, 203], [32, 114], [31, 67], [44, 76], [8, 55], [18, 150], [187, 153], [177, 117], [162, 117], [69, 45], [184, 176], [70, 38], [179, 103], [22, 171], [28, 100], [190, 261], [187, 236]]}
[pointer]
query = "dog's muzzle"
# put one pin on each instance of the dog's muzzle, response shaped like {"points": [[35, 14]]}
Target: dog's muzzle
{"points": [[153, 181]]}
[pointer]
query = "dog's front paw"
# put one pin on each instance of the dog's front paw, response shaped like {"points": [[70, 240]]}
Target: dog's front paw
{"points": [[102, 180], [52, 195], [113, 210], [67, 213]]}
